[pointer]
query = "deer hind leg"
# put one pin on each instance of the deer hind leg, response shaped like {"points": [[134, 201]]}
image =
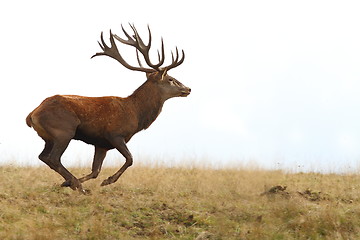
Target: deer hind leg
{"points": [[99, 156], [119, 144], [51, 155]]}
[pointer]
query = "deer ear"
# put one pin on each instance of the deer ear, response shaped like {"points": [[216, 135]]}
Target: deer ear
{"points": [[163, 74], [153, 76], [148, 75]]}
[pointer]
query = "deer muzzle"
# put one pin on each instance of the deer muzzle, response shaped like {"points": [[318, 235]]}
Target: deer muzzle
{"points": [[185, 92]]}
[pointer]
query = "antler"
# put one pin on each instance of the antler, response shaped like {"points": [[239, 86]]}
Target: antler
{"points": [[138, 43]]}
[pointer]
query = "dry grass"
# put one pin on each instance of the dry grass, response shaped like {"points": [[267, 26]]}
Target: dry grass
{"points": [[170, 203]]}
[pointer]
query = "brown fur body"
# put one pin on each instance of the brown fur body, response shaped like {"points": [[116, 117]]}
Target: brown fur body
{"points": [[94, 119]]}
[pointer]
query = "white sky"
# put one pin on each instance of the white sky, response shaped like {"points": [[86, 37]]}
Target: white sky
{"points": [[275, 82]]}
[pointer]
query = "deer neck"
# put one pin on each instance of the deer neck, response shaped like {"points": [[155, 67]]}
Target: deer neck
{"points": [[148, 102]]}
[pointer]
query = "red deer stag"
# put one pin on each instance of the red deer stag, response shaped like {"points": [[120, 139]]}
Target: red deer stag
{"points": [[106, 122]]}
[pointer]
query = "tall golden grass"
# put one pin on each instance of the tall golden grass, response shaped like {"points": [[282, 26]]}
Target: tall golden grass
{"points": [[180, 203]]}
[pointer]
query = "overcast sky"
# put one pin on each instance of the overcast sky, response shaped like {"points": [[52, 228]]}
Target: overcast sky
{"points": [[274, 83]]}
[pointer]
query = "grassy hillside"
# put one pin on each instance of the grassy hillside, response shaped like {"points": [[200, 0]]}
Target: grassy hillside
{"points": [[163, 203]]}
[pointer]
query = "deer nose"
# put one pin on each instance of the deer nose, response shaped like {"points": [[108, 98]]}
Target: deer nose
{"points": [[189, 89]]}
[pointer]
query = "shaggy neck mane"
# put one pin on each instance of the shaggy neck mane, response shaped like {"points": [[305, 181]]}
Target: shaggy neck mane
{"points": [[148, 102]]}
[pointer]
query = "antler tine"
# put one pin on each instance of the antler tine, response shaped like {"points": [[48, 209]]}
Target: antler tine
{"points": [[158, 55], [149, 43], [182, 58], [161, 61], [138, 58], [127, 35], [102, 41]]}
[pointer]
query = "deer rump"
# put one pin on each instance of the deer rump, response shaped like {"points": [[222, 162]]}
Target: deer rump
{"points": [[89, 119]]}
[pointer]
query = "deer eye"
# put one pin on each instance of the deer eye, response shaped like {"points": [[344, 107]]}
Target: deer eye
{"points": [[170, 79]]}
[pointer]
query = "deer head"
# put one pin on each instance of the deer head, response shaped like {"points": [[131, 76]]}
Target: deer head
{"points": [[156, 73]]}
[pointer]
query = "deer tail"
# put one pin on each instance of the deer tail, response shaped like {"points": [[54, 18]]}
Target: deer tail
{"points": [[29, 120]]}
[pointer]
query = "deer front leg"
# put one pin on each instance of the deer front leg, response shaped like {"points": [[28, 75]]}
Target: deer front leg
{"points": [[119, 144], [99, 156]]}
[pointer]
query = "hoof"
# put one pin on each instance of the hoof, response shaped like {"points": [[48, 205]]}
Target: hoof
{"points": [[66, 183], [106, 182], [74, 185]]}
